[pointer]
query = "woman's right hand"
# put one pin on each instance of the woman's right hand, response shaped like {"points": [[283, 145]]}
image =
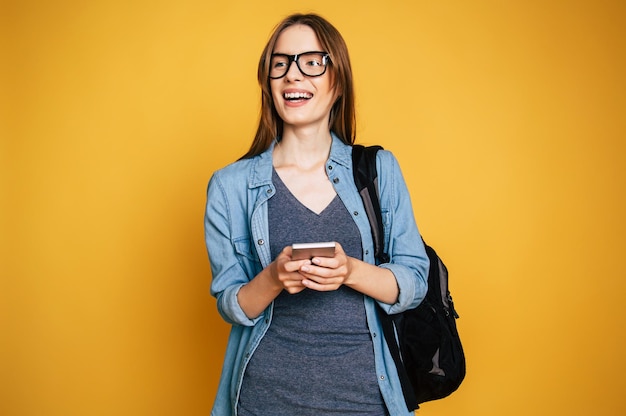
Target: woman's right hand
{"points": [[282, 273], [286, 273]]}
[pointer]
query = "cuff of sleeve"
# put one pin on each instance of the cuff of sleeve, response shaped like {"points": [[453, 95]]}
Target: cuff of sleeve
{"points": [[407, 298], [231, 311]]}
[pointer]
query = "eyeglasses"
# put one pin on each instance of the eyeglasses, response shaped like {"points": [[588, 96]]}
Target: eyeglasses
{"points": [[311, 64]]}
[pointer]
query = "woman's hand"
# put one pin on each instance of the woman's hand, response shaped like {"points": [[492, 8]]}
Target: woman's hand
{"points": [[329, 273], [321, 273], [282, 273], [326, 273], [285, 271]]}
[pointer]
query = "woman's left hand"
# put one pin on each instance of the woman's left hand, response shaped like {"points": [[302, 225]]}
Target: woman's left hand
{"points": [[327, 273]]}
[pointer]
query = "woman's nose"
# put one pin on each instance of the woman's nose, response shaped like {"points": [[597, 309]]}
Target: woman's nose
{"points": [[293, 73]]}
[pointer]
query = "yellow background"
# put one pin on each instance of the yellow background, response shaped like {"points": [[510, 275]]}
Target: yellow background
{"points": [[508, 118]]}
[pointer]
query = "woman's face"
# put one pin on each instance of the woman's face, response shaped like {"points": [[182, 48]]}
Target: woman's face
{"points": [[300, 100]]}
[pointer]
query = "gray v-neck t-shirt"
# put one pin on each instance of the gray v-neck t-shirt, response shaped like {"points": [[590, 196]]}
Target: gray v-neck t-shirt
{"points": [[317, 356]]}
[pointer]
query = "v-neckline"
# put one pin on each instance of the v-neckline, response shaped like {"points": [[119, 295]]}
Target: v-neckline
{"points": [[298, 201]]}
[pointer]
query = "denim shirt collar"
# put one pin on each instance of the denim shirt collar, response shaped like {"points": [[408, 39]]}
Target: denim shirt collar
{"points": [[261, 173]]}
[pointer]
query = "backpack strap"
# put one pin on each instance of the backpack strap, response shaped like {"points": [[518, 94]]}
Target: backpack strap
{"points": [[366, 180]]}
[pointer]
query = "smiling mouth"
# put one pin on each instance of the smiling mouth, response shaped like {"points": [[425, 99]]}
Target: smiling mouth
{"points": [[295, 96]]}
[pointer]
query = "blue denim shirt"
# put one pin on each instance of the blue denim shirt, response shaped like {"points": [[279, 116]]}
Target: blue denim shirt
{"points": [[236, 232]]}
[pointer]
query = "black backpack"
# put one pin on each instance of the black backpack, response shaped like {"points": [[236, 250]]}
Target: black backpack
{"points": [[428, 352]]}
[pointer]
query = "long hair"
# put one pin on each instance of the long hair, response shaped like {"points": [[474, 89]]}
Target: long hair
{"points": [[342, 114]]}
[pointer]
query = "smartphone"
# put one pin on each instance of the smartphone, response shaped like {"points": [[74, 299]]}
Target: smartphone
{"points": [[301, 251]]}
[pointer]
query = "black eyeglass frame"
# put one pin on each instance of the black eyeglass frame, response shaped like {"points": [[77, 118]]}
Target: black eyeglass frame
{"points": [[294, 58]]}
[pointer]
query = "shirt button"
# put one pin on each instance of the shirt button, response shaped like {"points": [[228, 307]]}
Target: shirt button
{"points": [[336, 180], [330, 167], [382, 377], [374, 334], [355, 213], [269, 191], [261, 242]]}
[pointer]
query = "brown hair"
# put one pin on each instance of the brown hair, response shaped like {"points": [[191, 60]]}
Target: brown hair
{"points": [[342, 114]]}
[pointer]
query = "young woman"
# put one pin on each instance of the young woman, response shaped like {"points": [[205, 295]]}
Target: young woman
{"points": [[306, 338]]}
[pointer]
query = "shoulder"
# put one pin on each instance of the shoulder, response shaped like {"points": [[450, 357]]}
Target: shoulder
{"points": [[226, 180], [249, 172], [228, 187], [387, 165], [391, 180], [386, 157], [235, 170]]}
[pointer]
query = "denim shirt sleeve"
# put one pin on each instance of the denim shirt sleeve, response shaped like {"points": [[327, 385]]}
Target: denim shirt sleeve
{"points": [[231, 252], [408, 259]]}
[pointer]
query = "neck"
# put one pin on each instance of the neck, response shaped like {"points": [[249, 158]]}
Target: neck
{"points": [[303, 149]]}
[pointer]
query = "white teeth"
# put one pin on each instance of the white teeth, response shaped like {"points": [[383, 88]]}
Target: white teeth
{"points": [[297, 95]]}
